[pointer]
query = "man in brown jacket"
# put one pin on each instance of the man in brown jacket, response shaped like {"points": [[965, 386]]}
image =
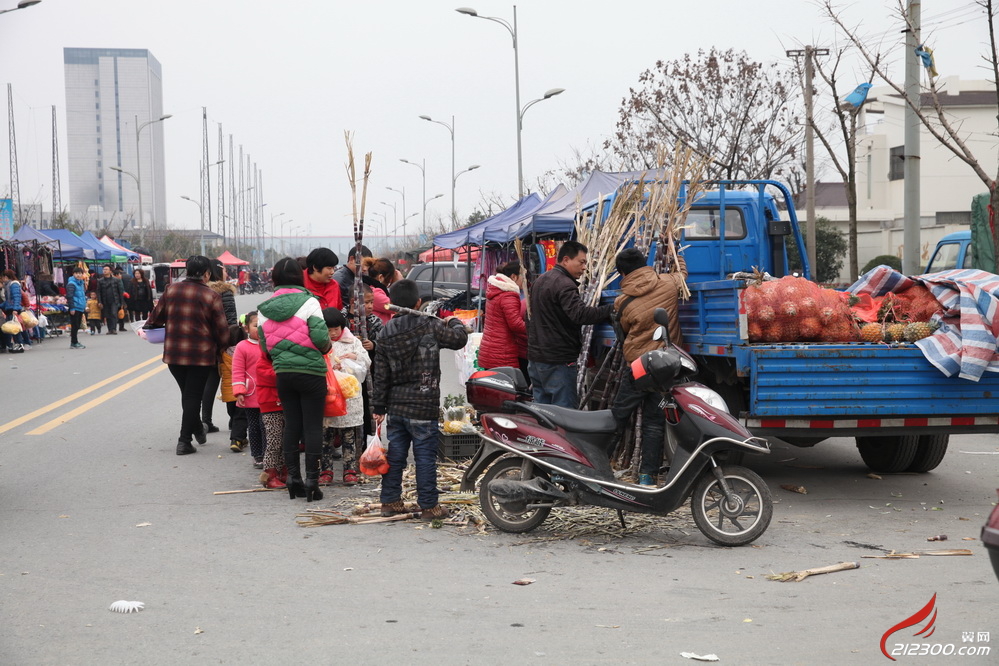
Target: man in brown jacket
{"points": [[642, 291]]}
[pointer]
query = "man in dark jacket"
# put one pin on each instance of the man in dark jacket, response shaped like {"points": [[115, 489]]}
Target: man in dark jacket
{"points": [[344, 276], [642, 291], [553, 332], [407, 375], [196, 331], [110, 294]]}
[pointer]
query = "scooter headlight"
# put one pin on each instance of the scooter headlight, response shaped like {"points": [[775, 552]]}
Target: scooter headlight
{"points": [[709, 396], [688, 363]]}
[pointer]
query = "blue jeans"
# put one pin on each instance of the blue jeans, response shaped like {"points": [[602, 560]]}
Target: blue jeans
{"points": [[424, 437], [554, 383]]}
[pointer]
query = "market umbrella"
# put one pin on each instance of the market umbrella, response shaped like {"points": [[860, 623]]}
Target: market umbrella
{"points": [[229, 259]]}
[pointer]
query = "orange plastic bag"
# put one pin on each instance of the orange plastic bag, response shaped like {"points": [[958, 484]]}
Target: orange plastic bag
{"points": [[336, 404], [373, 461]]}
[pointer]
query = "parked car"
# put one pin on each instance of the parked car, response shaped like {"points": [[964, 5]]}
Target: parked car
{"points": [[442, 280], [990, 537]]}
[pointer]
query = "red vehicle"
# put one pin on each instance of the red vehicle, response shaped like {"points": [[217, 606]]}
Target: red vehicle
{"points": [[990, 537]]}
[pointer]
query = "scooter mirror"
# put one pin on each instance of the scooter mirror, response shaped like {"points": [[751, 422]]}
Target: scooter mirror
{"points": [[657, 334], [661, 317]]}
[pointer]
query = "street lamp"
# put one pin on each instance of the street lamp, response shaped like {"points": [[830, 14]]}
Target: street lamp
{"points": [[284, 222], [468, 11], [423, 170], [23, 4], [450, 128], [395, 213], [404, 216], [273, 215], [138, 168], [200, 210], [425, 202], [520, 129], [120, 170]]}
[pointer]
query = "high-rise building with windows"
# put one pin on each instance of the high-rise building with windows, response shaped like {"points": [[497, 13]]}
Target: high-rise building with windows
{"points": [[109, 93]]}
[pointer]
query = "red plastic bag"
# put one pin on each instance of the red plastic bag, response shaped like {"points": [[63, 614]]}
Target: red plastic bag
{"points": [[373, 461], [336, 404]]}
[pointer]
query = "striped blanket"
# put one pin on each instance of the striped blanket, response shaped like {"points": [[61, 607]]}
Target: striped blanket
{"points": [[965, 345]]}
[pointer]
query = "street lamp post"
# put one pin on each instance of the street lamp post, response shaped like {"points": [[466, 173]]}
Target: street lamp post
{"points": [[395, 212], [516, 79], [23, 4], [471, 168], [425, 202], [138, 168], [200, 210], [273, 215], [450, 128], [404, 216], [284, 222], [127, 173], [423, 170]]}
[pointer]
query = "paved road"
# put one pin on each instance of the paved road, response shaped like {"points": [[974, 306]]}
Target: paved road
{"points": [[262, 590]]}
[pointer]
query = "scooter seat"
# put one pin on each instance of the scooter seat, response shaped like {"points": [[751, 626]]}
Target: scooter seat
{"points": [[575, 420]]}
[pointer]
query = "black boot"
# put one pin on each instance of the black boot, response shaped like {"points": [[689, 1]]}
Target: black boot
{"points": [[312, 491], [183, 448], [296, 488]]}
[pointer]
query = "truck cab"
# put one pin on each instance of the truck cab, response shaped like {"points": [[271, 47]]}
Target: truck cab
{"points": [[952, 251]]}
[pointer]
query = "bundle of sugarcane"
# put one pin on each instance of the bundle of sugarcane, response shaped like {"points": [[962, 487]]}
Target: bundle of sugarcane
{"points": [[320, 517], [357, 295], [684, 186], [518, 246]]}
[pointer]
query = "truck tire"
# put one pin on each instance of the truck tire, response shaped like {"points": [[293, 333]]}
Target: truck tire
{"points": [[888, 454], [930, 453]]}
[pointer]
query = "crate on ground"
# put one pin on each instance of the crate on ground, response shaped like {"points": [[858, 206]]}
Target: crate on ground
{"points": [[456, 447]]}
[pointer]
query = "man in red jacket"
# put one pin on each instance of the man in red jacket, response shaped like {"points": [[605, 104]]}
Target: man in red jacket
{"points": [[318, 277]]}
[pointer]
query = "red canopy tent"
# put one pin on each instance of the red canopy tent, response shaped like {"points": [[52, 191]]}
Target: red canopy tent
{"points": [[229, 259], [444, 254]]}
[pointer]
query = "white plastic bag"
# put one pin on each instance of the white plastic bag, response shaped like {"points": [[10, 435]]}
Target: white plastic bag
{"points": [[355, 368]]}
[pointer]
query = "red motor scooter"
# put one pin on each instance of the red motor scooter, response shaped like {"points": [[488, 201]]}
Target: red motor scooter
{"points": [[534, 458]]}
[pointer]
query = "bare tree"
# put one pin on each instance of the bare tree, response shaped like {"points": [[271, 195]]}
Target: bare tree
{"points": [[845, 124], [743, 114], [928, 107]]}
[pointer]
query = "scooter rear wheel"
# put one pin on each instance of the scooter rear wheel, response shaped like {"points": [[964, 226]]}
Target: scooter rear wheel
{"points": [[738, 520], [509, 517]]}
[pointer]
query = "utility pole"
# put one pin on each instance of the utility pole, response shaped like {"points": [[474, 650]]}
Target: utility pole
{"points": [[809, 52], [221, 187], [56, 196], [15, 188], [206, 185], [911, 170]]}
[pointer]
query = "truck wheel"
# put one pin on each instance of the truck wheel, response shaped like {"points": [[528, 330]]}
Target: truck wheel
{"points": [[930, 453], [513, 517], [888, 454]]}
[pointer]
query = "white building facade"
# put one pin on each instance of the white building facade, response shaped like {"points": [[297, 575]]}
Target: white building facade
{"points": [[947, 184], [110, 92]]}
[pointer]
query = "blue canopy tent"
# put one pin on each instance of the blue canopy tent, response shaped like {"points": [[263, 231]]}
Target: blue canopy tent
{"points": [[69, 246], [558, 214], [117, 255], [499, 226], [473, 234]]}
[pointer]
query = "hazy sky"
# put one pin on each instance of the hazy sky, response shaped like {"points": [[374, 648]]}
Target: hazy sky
{"points": [[287, 78]]}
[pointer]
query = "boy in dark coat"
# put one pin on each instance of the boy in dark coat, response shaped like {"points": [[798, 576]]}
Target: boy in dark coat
{"points": [[407, 375]]}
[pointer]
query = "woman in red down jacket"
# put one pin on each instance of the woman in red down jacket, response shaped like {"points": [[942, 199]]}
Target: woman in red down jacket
{"points": [[504, 340]]}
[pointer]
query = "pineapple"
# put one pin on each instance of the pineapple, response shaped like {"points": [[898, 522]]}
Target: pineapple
{"points": [[871, 333], [895, 333], [766, 314], [811, 329], [918, 330]]}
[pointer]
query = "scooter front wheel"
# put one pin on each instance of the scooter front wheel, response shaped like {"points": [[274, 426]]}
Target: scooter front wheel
{"points": [[739, 518], [511, 516]]}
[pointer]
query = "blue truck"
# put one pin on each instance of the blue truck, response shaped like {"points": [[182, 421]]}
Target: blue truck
{"points": [[900, 409], [952, 251]]}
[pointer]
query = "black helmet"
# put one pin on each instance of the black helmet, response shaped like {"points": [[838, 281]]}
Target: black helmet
{"points": [[654, 370]]}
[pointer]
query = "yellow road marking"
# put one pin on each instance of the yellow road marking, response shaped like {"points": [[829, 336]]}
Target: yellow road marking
{"points": [[79, 394], [72, 414]]}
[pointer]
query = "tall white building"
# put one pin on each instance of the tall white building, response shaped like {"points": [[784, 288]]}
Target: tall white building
{"points": [[109, 93]]}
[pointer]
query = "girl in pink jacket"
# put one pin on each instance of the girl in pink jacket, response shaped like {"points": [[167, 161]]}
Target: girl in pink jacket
{"points": [[244, 387]]}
